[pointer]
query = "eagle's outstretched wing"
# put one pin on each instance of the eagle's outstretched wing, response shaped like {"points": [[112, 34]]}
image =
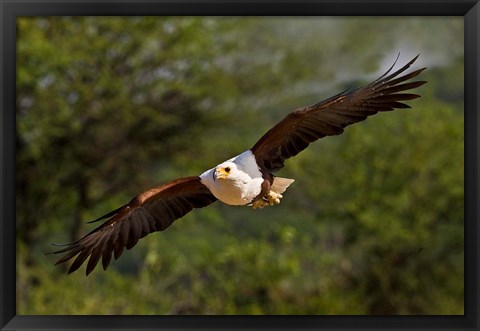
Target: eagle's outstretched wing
{"points": [[304, 125], [150, 211]]}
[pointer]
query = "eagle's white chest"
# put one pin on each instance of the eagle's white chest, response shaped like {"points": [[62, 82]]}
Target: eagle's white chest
{"points": [[242, 186]]}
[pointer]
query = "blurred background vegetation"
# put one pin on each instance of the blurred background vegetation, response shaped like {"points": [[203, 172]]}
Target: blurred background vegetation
{"points": [[110, 106]]}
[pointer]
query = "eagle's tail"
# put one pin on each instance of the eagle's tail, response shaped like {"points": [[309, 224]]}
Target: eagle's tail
{"points": [[281, 184]]}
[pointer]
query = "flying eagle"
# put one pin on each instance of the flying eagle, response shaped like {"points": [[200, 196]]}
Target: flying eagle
{"points": [[244, 180]]}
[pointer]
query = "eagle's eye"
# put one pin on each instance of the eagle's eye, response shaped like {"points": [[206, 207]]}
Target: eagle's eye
{"points": [[227, 169]]}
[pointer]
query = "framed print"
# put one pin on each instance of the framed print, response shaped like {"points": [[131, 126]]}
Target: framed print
{"points": [[161, 169]]}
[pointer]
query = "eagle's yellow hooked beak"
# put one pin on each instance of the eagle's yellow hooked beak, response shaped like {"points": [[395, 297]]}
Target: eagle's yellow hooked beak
{"points": [[222, 172]]}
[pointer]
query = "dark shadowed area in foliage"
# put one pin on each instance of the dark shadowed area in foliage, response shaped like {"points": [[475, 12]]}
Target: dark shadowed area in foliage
{"points": [[108, 107]]}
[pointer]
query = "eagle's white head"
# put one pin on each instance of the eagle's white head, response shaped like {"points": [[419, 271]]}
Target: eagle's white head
{"points": [[227, 170], [236, 181]]}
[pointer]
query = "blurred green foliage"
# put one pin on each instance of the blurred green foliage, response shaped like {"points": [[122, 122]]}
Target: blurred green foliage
{"points": [[110, 106]]}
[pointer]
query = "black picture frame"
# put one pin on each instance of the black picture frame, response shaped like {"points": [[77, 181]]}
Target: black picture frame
{"points": [[10, 10]]}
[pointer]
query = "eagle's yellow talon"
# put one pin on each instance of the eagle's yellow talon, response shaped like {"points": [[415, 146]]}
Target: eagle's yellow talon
{"points": [[259, 204], [270, 199], [273, 198]]}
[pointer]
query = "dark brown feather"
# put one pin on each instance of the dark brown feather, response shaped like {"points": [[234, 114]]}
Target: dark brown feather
{"points": [[152, 210], [329, 117]]}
